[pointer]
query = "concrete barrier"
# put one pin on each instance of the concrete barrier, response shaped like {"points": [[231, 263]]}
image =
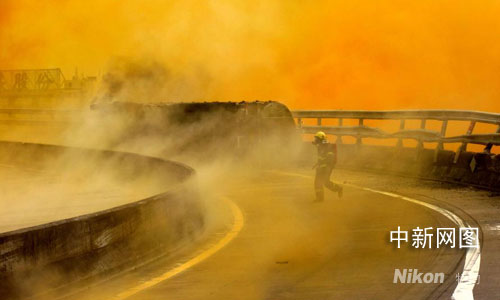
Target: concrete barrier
{"points": [[45, 257]]}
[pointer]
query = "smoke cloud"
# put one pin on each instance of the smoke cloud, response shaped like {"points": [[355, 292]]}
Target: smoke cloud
{"points": [[321, 54]]}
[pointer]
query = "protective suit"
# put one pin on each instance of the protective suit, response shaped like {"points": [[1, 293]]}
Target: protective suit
{"points": [[327, 158]]}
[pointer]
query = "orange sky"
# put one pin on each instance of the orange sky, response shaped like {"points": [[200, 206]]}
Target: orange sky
{"points": [[348, 54]]}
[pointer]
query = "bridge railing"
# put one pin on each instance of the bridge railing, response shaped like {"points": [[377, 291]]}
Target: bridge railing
{"points": [[35, 115], [421, 134]]}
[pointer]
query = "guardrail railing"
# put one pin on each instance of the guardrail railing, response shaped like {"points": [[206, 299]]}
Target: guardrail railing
{"points": [[37, 115], [361, 131], [421, 135]]}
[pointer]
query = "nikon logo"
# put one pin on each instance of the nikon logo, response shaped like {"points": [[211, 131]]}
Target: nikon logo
{"points": [[414, 276]]}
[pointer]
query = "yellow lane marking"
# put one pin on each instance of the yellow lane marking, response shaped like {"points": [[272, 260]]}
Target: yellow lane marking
{"points": [[238, 222]]}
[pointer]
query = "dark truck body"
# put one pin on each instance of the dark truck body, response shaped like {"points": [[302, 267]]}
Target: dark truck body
{"points": [[206, 129]]}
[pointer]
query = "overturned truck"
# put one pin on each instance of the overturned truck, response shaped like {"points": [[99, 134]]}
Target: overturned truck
{"points": [[204, 129]]}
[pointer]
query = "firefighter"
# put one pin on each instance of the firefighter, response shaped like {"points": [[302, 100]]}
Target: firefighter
{"points": [[327, 157]]}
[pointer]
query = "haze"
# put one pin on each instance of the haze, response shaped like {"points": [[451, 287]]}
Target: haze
{"points": [[307, 54]]}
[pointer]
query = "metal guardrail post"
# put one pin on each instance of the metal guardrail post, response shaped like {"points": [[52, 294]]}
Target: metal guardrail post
{"points": [[299, 122], [319, 121], [401, 127], [439, 146], [339, 137], [359, 139], [488, 147], [463, 147], [420, 145]]}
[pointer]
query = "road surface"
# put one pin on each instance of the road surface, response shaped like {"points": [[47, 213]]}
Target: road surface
{"points": [[291, 248]]}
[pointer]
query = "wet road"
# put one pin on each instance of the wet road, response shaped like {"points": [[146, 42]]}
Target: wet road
{"points": [[291, 248]]}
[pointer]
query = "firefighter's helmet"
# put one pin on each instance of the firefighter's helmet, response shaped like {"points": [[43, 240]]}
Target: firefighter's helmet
{"points": [[320, 135]]}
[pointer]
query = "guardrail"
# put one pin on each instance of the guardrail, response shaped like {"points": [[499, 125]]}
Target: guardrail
{"points": [[421, 135], [38, 116], [359, 132], [30, 111]]}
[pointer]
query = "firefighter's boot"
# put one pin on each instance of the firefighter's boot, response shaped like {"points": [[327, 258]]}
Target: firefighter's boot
{"points": [[320, 195]]}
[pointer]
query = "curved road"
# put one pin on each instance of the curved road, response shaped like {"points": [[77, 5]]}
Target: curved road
{"points": [[291, 248]]}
